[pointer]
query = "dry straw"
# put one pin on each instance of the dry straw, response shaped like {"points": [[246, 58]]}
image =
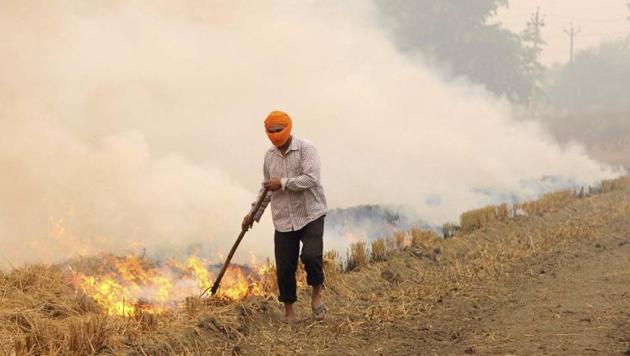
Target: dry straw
{"points": [[615, 184], [422, 238], [549, 202], [400, 239], [42, 313], [379, 250], [476, 219], [357, 256], [449, 229], [332, 266]]}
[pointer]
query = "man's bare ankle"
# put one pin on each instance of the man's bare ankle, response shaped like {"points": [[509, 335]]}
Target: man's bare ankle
{"points": [[316, 296], [316, 290]]}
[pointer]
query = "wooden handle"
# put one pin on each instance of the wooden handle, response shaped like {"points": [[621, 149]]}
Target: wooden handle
{"points": [[252, 215]]}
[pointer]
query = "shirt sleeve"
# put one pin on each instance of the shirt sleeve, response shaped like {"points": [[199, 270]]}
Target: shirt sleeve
{"points": [[258, 214], [310, 171]]}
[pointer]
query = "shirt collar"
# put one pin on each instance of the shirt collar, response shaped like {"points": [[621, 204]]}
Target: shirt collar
{"points": [[293, 146]]}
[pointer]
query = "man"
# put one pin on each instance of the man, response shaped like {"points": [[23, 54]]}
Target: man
{"points": [[298, 207]]}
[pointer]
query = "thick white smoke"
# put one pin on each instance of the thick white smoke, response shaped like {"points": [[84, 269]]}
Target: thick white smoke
{"points": [[139, 123]]}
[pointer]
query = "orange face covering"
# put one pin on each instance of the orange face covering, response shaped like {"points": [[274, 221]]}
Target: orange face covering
{"points": [[278, 118]]}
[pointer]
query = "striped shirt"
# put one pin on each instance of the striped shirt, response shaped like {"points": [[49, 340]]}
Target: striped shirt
{"points": [[301, 199]]}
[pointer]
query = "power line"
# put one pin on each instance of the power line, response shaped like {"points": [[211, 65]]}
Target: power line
{"points": [[560, 17], [612, 34], [572, 18], [507, 25]]}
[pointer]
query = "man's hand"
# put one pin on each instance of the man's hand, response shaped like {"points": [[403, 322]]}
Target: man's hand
{"points": [[247, 223], [273, 184]]}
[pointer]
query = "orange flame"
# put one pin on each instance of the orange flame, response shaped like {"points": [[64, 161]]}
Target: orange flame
{"points": [[136, 283]]}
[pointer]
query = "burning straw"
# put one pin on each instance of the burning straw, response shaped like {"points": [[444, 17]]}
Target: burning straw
{"points": [[130, 285]]}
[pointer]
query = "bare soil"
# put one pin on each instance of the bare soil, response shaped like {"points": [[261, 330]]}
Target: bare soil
{"points": [[574, 302]]}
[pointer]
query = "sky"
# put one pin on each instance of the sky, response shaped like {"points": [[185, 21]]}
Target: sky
{"points": [[598, 20]]}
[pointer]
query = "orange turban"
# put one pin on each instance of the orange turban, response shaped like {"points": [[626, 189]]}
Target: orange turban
{"points": [[278, 118]]}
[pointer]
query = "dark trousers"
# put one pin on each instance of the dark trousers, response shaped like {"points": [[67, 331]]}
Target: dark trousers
{"points": [[287, 250]]}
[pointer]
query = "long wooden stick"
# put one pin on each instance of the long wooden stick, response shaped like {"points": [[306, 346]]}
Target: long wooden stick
{"points": [[252, 214]]}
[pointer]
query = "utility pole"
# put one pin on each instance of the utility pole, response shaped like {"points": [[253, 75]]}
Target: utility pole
{"points": [[532, 36], [537, 22], [572, 32]]}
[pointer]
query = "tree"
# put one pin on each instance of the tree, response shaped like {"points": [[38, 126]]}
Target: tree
{"points": [[458, 33], [597, 81]]}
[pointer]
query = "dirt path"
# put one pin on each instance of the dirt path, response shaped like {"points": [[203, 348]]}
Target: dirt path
{"points": [[576, 303], [572, 302]]}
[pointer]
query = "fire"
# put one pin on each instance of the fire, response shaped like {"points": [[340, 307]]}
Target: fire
{"points": [[132, 283]]}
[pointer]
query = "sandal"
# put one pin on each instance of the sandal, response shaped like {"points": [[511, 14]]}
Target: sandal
{"points": [[319, 313]]}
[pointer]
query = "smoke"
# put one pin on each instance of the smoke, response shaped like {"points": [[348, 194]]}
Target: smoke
{"points": [[139, 124]]}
